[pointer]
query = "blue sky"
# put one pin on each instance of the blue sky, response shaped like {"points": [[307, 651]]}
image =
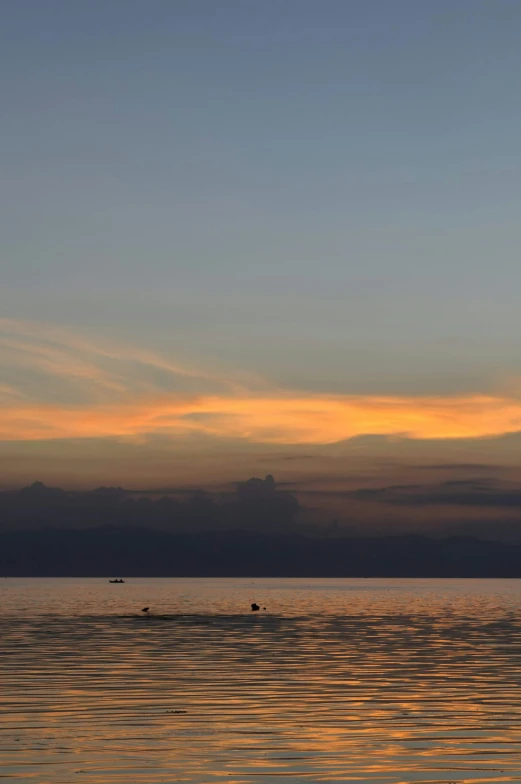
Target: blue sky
{"points": [[321, 197]]}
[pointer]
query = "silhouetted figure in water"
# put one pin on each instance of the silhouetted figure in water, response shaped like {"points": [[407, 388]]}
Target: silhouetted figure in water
{"points": [[255, 607], [145, 609]]}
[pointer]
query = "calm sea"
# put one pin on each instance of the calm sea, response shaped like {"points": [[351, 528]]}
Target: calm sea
{"points": [[336, 681]]}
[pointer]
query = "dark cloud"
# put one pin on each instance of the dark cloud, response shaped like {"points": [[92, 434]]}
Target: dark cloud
{"points": [[488, 492], [286, 458], [256, 504], [299, 457], [320, 481], [479, 483], [461, 467]]}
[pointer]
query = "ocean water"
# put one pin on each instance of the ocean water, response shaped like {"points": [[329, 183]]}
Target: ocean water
{"points": [[335, 681]]}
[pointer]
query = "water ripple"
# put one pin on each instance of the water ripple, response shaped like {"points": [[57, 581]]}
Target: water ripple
{"points": [[419, 684]]}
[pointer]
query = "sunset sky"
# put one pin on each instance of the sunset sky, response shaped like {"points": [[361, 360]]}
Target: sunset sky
{"points": [[250, 237]]}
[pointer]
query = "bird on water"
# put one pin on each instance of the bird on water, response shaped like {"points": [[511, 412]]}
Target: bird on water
{"points": [[145, 609], [255, 607]]}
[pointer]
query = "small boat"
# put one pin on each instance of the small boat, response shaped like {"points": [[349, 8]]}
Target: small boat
{"points": [[116, 581]]}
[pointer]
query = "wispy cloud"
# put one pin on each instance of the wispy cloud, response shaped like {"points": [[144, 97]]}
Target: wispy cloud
{"points": [[96, 366], [9, 392]]}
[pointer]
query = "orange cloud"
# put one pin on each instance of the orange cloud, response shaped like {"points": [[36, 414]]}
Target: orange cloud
{"points": [[114, 391], [280, 419]]}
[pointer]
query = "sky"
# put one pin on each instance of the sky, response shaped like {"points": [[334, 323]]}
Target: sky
{"points": [[243, 236]]}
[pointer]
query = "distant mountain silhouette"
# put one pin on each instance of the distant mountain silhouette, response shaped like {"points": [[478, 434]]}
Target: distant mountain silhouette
{"points": [[135, 551]]}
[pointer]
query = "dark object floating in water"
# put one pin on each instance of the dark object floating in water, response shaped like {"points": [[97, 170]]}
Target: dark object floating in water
{"points": [[255, 607], [145, 609], [177, 711], [116, 581]]}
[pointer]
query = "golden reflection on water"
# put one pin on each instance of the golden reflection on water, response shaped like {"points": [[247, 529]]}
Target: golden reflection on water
{"points": [[383, 681]]}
